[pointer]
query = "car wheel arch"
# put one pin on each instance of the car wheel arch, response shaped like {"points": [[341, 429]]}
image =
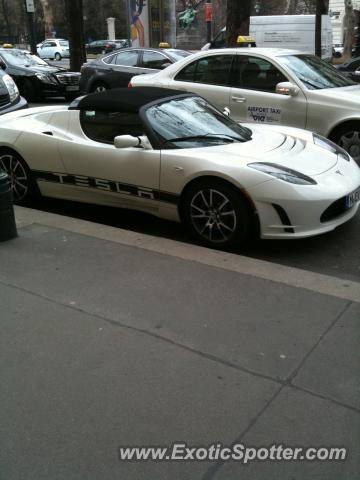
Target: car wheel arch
{"points": [[34, 191], [244, 204], [341, 125], [213, 177]]}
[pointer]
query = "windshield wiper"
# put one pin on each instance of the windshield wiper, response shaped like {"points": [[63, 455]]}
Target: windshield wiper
{"points": [[211, 136]]}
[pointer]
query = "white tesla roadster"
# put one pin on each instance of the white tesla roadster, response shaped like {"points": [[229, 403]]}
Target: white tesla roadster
{"points": [[176, 156]]}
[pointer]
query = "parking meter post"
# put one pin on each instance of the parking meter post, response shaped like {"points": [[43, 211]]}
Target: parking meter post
{"points": [[7, 216]]}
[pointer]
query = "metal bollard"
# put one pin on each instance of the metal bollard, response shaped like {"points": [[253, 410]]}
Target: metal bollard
{"points": [[7, 216]]}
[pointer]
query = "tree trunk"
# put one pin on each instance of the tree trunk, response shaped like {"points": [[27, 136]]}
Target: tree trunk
{"points": [[48, 18], [74, 13], [291, 7], [237, 20], [6, 19], [322, 8], [349, 24]]}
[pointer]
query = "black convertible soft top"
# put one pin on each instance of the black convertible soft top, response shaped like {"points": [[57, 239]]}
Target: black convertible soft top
{"points": [[122, 99]]}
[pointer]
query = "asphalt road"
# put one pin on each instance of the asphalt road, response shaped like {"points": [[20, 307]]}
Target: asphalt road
{"points": [[336, 253]]}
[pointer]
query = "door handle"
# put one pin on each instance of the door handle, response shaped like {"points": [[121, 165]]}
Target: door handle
{"points": [[239, 99]]}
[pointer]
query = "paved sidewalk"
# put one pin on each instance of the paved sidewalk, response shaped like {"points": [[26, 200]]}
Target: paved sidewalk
{"points": [[113, 338]]}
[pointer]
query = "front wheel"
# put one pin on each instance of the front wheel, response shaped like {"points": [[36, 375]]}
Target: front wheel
{"points": [[216, 214], [22, 185], [348, 137]]}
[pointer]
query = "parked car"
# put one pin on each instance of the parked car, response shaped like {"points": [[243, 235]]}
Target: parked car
{"points": [[54, 49], [10, 99], [277, 86], [174, 155], [35, 78], [105, 46], [116, 69], [338, 50], [351, 68], [49, 40]]}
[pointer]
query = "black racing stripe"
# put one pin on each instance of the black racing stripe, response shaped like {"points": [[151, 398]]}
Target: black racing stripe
{"points": [[106, 185], [169, 197]]}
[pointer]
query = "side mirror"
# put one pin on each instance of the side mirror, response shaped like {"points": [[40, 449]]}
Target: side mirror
{"points": [[287, 88], [126, 141]]}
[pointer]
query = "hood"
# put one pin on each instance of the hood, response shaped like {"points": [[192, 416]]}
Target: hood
{"points": [[268, 145], [45, 69], [348, 96]]}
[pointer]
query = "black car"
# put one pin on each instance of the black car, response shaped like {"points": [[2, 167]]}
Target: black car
{"points": [[36, 78], [116, 69], [105, 46], [10, 99], [350, 68]]}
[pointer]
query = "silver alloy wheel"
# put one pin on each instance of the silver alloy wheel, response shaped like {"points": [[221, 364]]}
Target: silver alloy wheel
{"points": [[100, 88], [213, 215], [19, 179], [57, 56], [350, 141]]}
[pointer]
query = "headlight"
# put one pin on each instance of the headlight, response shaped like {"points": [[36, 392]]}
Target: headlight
{"points": [[283, 173], [331, 146], [11, 87], [45, 78]]}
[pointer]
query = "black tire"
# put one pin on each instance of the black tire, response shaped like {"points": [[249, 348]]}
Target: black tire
{"points": [[216, 214], [23, 186], [58, 57], [28, 90], [99, 87], [348, 137]]}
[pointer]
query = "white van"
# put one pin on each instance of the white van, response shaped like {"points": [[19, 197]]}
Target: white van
{"points": [[292, 31], [285, 31]]}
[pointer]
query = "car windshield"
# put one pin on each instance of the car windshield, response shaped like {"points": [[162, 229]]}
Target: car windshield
{"points": [[22, 59], [315, 73], [192, 122]]}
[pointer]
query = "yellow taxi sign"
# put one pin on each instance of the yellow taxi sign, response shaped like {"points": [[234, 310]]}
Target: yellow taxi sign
{"points": [[164, 45], [7, 45], [244, 41]]}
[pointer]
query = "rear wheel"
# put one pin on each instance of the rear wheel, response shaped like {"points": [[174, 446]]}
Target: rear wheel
{"points": [[99, 87], [24, 188], [348, 137], [58, 57], [216, 214]]}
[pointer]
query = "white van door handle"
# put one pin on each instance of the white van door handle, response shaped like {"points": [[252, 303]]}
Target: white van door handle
{"points": [[239, 99]]}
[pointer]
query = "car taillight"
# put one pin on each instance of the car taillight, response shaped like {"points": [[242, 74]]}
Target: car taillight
{"points": [[129, 85]]}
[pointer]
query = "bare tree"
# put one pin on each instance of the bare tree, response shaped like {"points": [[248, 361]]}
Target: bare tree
{"points": [[74, 14], [322, 8], [349, 25], [237, 20]]}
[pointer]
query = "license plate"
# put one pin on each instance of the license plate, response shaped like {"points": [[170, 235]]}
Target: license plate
{"points": [[352, 198], [72, 88]]}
